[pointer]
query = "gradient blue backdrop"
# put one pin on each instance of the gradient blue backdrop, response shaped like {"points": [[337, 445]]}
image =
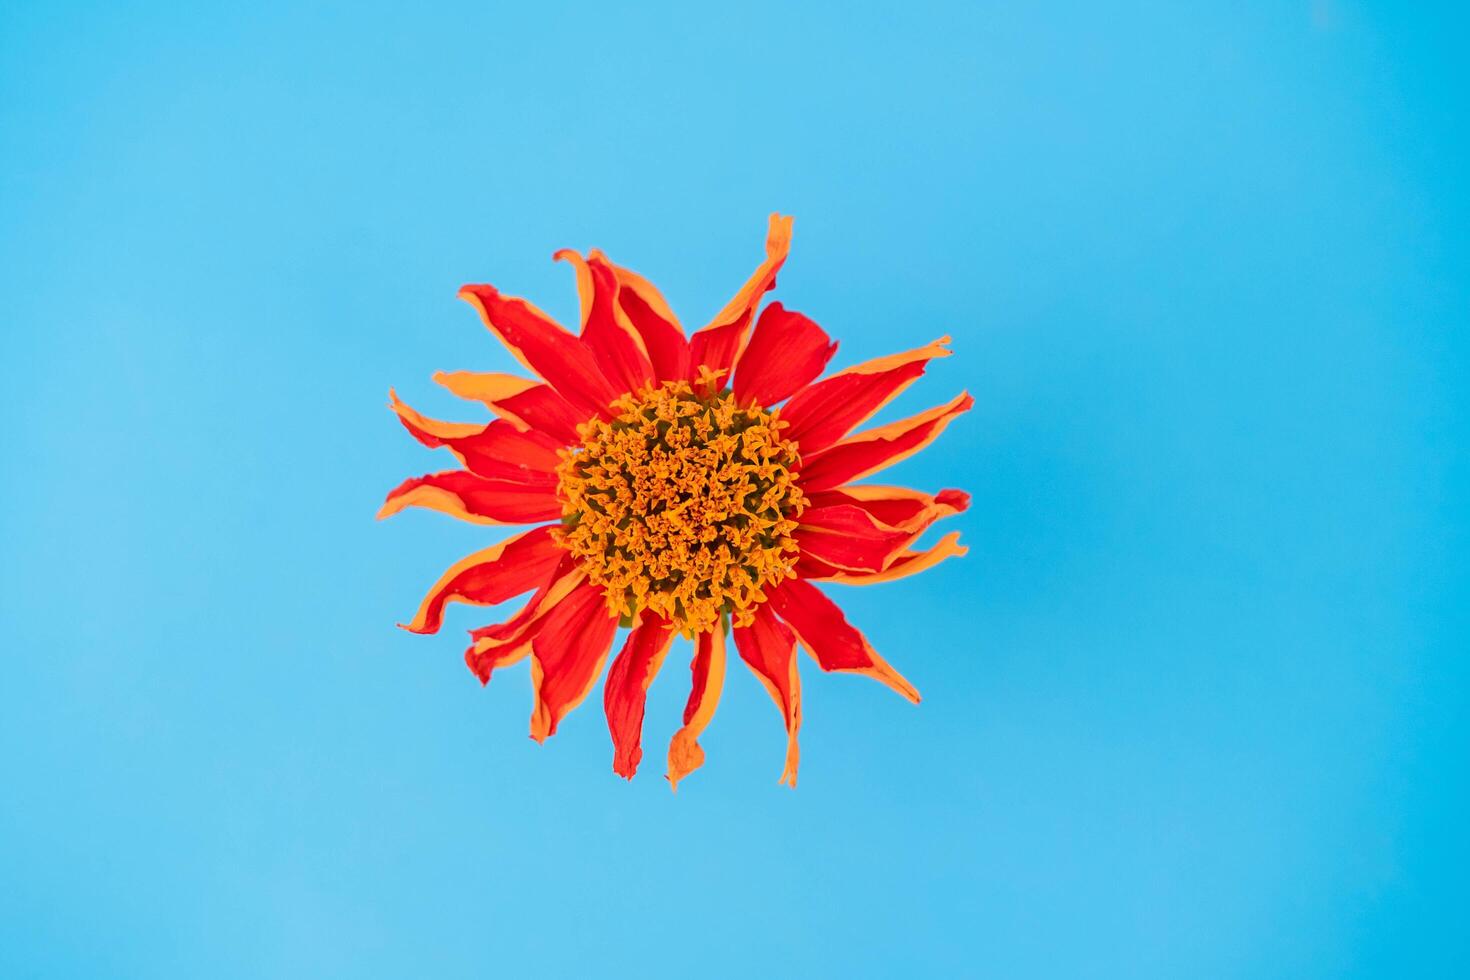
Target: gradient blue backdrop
{"points": [[1195, 703]]}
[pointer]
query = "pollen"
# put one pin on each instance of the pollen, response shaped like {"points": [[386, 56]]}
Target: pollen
{"points": [[684, 504]]}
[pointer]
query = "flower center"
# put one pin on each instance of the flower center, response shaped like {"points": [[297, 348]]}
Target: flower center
{"points": [[683, 504]]}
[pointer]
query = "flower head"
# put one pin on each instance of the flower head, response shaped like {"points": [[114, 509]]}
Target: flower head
{"points": [[678, 486]]}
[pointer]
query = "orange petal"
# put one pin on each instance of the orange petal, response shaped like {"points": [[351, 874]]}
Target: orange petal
{"points": [[708, 668], [475, 499], [497, 451], [504, 643], [821, 414], [829, 638], [626, 689], [649, 314], [488, 388], [906, 564], [524, 403], [786, 352], [487, 577], [567, 654], [873, 450], [607, 332], [768, 648], [718, 345], [536, 340]]}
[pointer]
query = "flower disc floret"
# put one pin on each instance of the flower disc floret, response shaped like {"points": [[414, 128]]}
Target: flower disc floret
{"points": [[684, 504]]}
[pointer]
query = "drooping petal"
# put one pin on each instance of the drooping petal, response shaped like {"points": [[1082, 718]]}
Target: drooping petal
{"points": [[500, 644], [515, 565], [718, 345], [908, 563], [649, 314], [539, 343], [524, 403], [829, 638], [873, 450], [626, 689], [821, 414], [475, 499], [607, 332], [708, 670], [567, 654], [497, 451], [786, 352], [768, 648]]}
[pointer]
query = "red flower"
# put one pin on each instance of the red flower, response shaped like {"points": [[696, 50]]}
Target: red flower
{"points": [[672, 497]]}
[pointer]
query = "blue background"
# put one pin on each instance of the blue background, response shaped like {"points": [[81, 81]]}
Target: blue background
{"points": [[1195, 703]]}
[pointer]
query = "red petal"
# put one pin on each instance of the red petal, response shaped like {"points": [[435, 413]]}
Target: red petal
{"points": [[865, 528], [718, 345], [708, 670], [786, 352], [827, 635], [524, 403], [497, 451], [649, 314], [493, 575], [906, 564], [626, 689], [870, 451], [606, 331], [544, 347], [898, 507], [475, 499], [846, 536], [768, 648], [504, 643], [825, 412], [567, 655]]}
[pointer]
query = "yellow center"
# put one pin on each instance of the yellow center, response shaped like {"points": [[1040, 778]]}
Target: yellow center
{"points": [[683, 504]]}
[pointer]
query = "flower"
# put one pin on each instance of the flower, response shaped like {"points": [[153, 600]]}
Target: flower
{"points": [[679, 486]]}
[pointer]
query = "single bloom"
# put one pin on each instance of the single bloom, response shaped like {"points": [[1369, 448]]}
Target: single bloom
{"points": [[678, 486]]}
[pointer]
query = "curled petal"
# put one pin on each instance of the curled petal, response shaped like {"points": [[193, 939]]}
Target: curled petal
{"points": [[626, 689], [536, 340], [873, 450], [515, 565], [786, 352], [524, 403], [907, 563], [567, 655], [475, 499], [498, 451], [899, 507], [819, 415], [649, 314], [829, 638], [862, 531], [768, 648], [504, 643], [718, 345], [607, 332], [866, 528], [848, 537], [708, 670]]}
